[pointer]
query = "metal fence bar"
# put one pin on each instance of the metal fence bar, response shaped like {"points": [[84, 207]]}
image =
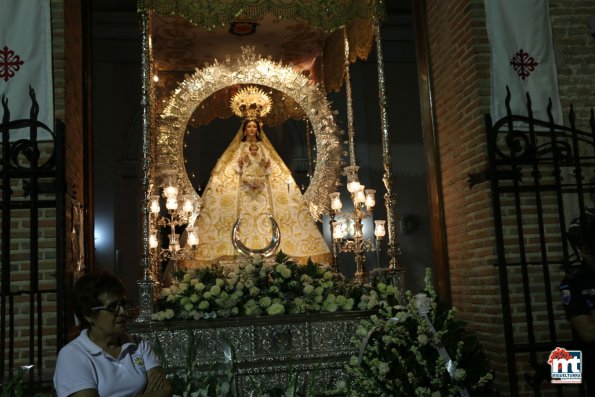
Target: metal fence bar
{"points": [[548, 153], [22, 161]]}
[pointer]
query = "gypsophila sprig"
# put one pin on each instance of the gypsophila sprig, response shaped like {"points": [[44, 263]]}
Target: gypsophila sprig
{"points": [[401, 349]]}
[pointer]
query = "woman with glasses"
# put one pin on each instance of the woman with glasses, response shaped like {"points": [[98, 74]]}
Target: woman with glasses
{"points": [[104, 360]]}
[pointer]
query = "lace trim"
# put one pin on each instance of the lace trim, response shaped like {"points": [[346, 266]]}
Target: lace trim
{"points": [[325, 15]]}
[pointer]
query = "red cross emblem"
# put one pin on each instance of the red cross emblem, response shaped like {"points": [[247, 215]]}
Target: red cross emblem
{"points": [[9, 63], [523, 64]]}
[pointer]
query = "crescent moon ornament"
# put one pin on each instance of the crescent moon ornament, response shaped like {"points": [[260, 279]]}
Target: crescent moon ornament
{"points": [[266, 251]]}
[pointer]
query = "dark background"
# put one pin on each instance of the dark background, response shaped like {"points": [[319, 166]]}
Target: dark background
{"points": [[117, 124]]}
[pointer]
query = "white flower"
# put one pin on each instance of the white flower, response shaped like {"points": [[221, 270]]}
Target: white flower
{"points": [[215, 290], [159, 316], [341, 385], [305, 279], [171, 298], [265, 302], [275, 308], [361, 331], [254, 291], [459, 374], [308, 288], [383, 368]]}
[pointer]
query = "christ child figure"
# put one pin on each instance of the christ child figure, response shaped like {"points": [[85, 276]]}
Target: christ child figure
{"points": [[254, 168]]}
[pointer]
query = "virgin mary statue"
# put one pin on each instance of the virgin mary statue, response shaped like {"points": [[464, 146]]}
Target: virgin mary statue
{"points": [[250, 184]]}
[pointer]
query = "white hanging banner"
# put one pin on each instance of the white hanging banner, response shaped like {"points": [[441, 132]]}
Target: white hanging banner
{"points": [[522, 58], [26, 60]]}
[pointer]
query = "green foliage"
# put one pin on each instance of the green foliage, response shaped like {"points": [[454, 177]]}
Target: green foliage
{"points": [[187, 382], [400, 354], [18, 387], [256, 288], [400, 343]]}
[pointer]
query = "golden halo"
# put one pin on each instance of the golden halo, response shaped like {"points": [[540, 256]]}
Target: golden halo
{"points": [[250, 102], [250, 69]]}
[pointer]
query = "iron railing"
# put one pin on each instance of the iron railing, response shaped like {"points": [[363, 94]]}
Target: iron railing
{"points": [[32, 257], [541, 175]]}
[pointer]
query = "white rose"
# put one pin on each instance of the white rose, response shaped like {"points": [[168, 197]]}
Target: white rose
{"points": [[169, 314]]}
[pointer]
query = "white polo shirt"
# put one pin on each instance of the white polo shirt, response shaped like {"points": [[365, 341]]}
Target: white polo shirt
{"points": [[83, 365]]}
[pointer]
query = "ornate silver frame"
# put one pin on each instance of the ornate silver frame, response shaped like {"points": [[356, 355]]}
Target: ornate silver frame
{"points": [[250, 68]]}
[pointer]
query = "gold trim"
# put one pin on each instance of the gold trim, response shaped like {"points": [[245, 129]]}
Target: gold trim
{"points": [[248, 69], [250, 102], [325, 15]]}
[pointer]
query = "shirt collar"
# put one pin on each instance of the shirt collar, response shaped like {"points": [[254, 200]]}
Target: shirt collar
{"points": [[93, 349]]}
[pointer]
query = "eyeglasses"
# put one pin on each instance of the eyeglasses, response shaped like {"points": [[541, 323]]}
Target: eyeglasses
{"points": [[114, 307]]}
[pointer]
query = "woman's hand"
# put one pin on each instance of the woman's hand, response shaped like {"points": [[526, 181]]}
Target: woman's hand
{"points": [[156, 381], [158, 385]]}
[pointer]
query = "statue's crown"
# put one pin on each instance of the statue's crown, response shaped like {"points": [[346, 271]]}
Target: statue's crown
{"points": [[250, 102]]}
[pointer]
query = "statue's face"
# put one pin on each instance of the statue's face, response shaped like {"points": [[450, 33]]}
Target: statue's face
{"points": [[251, 129]]}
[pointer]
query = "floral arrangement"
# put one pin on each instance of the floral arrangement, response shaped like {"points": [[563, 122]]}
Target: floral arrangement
{"points": [[409, 346], [418, 349], [259, 288]]}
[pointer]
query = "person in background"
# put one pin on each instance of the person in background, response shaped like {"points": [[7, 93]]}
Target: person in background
{"points": [[104, 360], [578, 292]]}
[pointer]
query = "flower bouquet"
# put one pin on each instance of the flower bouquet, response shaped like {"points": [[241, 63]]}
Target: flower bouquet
{"points": [[258, 288], [417, 349]]}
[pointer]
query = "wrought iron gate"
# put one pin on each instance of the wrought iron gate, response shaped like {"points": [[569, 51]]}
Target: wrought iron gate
{"points": [[32, 205], [541, 176]]}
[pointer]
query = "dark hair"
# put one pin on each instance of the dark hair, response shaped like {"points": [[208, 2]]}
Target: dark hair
{"points": [[245, 123], [88, 288], [581, 231]]}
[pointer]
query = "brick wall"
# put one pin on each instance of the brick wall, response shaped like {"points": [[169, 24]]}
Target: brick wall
{"points": [[32, 303], [460, 59], [459, 53], [575, 55]]}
